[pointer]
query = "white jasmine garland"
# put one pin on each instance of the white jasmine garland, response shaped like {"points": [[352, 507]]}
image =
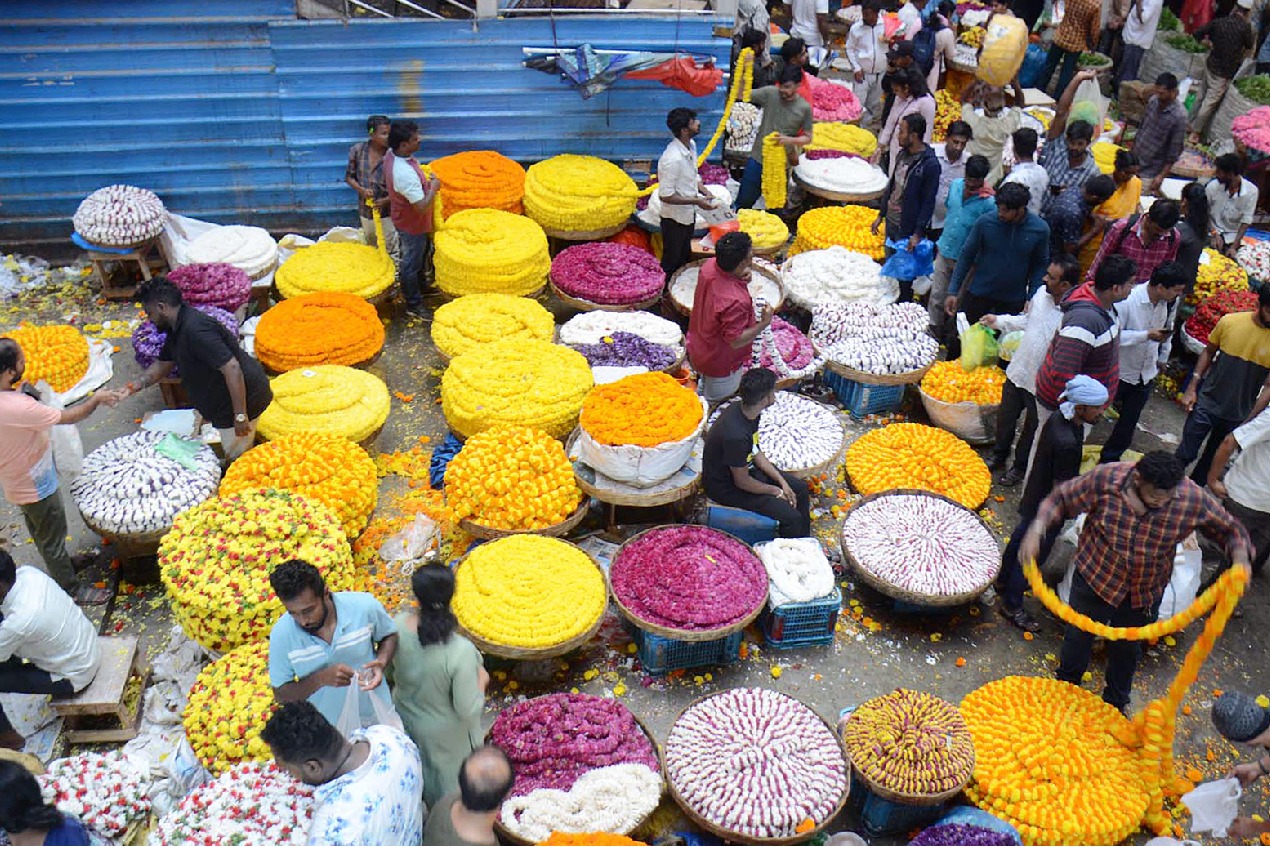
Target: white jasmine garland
{"points": [[796, 432], [609, 799], [249, 248], [834, 276], [105, 791], [1254, 257], [120, 215], [965, 55], [251, 803], [797, 570], [743, 124], [845, 174], [880, 340], [594, 327]]}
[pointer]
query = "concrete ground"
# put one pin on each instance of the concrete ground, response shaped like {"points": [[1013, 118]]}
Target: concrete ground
{"points": [[918, 651]]}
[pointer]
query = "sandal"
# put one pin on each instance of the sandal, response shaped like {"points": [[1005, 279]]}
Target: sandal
{"points": [[90, 595], [1011, 478], [1020, 618]]}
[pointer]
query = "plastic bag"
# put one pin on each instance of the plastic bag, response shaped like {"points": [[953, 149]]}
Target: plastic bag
{"points": [[1033, 65], [1184, 583], [1004, 44], [906, 264], [68, 448], [1088, 105], [179, 450], [351, 715], [413, 543], [1214, 806], [978, 347]]}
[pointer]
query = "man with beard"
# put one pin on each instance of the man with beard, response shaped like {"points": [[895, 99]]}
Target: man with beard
{"points": [[325, 641]]}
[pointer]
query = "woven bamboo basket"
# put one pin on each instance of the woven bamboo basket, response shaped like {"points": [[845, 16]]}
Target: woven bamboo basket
{"points": [[894, 591], [912, 799], [811, 470], [907, 378], [590, 306], [129, 545], [584, 235], [735, 837], [557, 530], [837, 196], [684, 306]]}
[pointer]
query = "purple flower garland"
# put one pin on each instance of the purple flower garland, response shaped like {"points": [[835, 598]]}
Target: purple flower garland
{"points": [[961, 833], [628, 350], [607, 273]]}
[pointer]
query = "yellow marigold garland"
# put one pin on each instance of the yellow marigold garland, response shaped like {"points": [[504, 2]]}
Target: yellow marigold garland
{"points": [[643, 409], [740, 89], [480, 179], [949, 382], [328, 266], [846, 137], [847, 226], [512, 477], [569, 193], [1218, 273], [775, 172], [327, 328], [908, 455], [487, 251], [326, 399], [468, 322], [230, 703], [910, 742], [56, 353], [766, 230]]}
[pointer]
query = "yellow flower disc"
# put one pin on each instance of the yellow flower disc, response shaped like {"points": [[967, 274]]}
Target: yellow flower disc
{"points": [[215, 562], [578, 194], [522, 383], [846, 137], [230, 703], [479, 179], [775, 179], [910, 742], [846, 226], [332, 470], [56, 353], [951, 383], [326, 266], [908, 455], [512, 477], [765, 229], [329, 328], [485, 251], [478, 319], [326, 399], [1104, 153], [1216, 273], [1049, 762], [528, 591]]}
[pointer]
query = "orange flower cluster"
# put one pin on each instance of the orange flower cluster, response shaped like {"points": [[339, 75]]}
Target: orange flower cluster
{"points": [[326, 328], [908, 455], [512, 477], [644, 410], [593, 839], [951, 383], [56, 353], [479, 179]]}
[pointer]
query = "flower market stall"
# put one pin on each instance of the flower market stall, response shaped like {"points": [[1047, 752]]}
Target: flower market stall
{"points": [[836, 276], [248, 804], [1212, 309], [800, 436], [488, 251], [578, 198], [602, 275]]}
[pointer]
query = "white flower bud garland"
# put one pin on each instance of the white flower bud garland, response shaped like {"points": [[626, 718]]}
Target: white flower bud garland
{"points": [[877, 339], [835, 275], [614, 799], [120, 216], [594, 327], [846, 175], [797, 570]]}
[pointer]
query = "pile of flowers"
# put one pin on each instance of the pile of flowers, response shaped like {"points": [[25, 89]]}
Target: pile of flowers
{"points": [[617, 797], [627, 350], [796, 433], [775, 178], [689, 578], [963, 834], [1104, 153], [757, 763], [972, 36], [594, 327], [328, 328], [330, 266], [390, 581], [947, 110], [608, 274], [832, 101], [950, 382], [846, 226], [519, 382], [332, 470], [784, 349], [652, 209], [468, 322], [908, 455], [512, 477], [571, 193], [248, 804], [767, 231], [846, 174], [846, 137], [528, 591], [1253, 129], [1214, 308], [230, 703], [711, 175], [797, 570], [215, 284], [215, 562], [591, 839], [888, 339], [1216, 273], [911, 743], [120, 216], [148, 339], [326, 399], [743, 125], [487, 251], [479, 179], [105, 791], [55, 353], [835, 275], [642, 409], [251, 249], [764, 284], [965, 56], [1254, 257]]}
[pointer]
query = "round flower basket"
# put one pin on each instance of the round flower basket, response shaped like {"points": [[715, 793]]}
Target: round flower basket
{"points": [[836, 196], [907, 378], [588, 306], [627, 495], [559, 530], [682, 285], [971, 422], [895, 591], [824, 467], [584, 235], [1191, 343], [1193, 171], [132, 544]]}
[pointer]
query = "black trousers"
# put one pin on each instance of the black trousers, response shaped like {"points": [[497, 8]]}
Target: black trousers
{"points": [[795, 522], [1011, 583], [1015, 402], [1122, 656], [676, 245], [19, 677], [1133, 399]]}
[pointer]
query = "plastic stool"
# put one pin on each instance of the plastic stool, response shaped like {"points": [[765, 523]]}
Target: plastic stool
{"points": [[750, 527]]}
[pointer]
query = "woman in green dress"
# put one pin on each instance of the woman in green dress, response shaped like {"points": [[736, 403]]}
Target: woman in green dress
{"points": [[439, 683]]}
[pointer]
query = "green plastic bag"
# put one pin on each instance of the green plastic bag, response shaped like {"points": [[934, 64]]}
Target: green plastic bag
{"points": [[978, 347], [179, 450]]}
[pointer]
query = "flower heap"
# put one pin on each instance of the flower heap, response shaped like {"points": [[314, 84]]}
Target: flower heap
{"points": [[569, 193], [947, 110], [626, 350], [616, 797], [528, 591], [767, 231], [55, 353], [607, 274], [831, 101], [468, 322], [230, 703], [1216, 273], [784, 349], [846, 226], [764, 284], [248, 804], [843, 174], [1253, 129], [797, 570], [591, 839], [105, 791], [148, 339], [479, 179], [1104, 153], [775, 172], [910, 742], [907, 455], [120, 216], [215, 562], [519, 382], [949, 382], [327, 328], [214, 284], [326, 399], [923, 545], [330, 266], [743, 127], [967, 835], [594, 327], [390, 581], [757, 763], [972, 36], [834, 276], [846, 137], [642, 409], [251, 249], [487, 251], [331, 470], [1254, 257], [796, 433], [512, 477], [878, 339], [688, 578], [1214, 308]]}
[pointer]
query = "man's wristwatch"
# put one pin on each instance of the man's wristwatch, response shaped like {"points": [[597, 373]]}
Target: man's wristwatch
{"points": [[240, 418]]}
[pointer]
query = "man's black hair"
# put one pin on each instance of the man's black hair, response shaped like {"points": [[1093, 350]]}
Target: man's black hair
{"points": [[790, 73], [916, 124], [9, 350], [1230, 163], [977, 167], [160, 290], [756, 383], [295, 576], [1080, 131], [374, 122], [1069, 267], [1101, 187], [793, 48], [401, 132], [8, 568], [961, 129], [1114, 270], [732, 250], [1165, 213], [297, 732], [1025, 140], [1161, 469], [1169, 275], [1013, 196], [677, 119], [1167, 81]]}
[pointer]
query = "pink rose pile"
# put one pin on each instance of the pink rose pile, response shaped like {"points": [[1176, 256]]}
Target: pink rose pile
{"points": [[688, 578], [828, 154], [794, 347], [608, 274], [212, 284], [832, 102], [1253, 129]]}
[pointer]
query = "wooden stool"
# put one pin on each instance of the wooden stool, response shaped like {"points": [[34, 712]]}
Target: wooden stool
{"points": [[104, 697], [120, 283], [174, 393]]}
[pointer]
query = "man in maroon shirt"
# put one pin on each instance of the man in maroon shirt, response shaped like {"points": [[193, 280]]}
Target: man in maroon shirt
{"points": [[722, 328]]}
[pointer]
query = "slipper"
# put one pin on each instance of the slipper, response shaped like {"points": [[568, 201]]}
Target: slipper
{"points": [[90, 595]]}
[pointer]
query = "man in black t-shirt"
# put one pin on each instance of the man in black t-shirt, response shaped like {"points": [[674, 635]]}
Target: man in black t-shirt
{"points": [[735, 471]]}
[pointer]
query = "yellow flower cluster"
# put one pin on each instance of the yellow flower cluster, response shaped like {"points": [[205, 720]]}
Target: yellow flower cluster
{"points": [[1217, 273], [390, 582], [775, 172], [332, 470], [215, 561], [512, 477], [488, 251], [740, 89], [327, 399], [229, 705], [847, 226], [518, 382], [908, 455], [528, 591], [55, 353], [327, 266], [846, 137], [947, 110], [477, 319], [951, 383], [973, 36], [1104, 153], [767, 231], [570, 193], [910, 742]]}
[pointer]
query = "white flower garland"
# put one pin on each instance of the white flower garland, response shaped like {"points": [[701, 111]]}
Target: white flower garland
{"points": [[797, 570], [766, 342], [879, 340], [251, 803], [610, 799], [107, 792], [845, 174], [836, 275], [592, 327]]}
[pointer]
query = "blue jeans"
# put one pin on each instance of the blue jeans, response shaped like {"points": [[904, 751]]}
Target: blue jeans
{"points": [[1202, 425], [416, 258], [751, 184], [1011, 583], [1058, 54], [1130, 65]]}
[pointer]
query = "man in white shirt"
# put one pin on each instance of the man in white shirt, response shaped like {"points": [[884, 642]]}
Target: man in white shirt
{"points": [[1244, 486], [1146, 319], [680, 189], [866, 53], [951, 155], [1027, 172], [1231, 203], [811, 22], [910, 15], [47, 644], [1139, 34]]}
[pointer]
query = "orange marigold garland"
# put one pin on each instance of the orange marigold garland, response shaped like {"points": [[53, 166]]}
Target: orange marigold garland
{"points": [[326, 328], [644, 410], [480, 179], [908, 455], [951, 383], [590, 839]]}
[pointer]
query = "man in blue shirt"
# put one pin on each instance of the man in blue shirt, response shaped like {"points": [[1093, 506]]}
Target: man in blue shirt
{"points": [[326, 640], [1072, 218], [968, 199]]}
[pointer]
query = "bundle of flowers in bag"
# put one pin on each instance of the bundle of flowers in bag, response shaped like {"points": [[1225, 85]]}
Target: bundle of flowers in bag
{"points": [[148, 339], [908, 455], [468, 322], [333, 266], [326, 399], [229, 705], [846, 137], [251, 249], [108, 792], [248, 804], [519, 382], [512, 477], [765, 230], [1217, 272], [846, 226], [608, 274], [951, 383], [569, 193], [215, 284], [328, 328], [832, 101], [487, 251], [1254, 257], [479, 179], [55, 353]]}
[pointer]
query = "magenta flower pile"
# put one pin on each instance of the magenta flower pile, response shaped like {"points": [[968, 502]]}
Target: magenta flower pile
{"points": [[554, 739], [212, 284], [688, 578], [148, 341], [828, 154], [832, 102], [607, 273], [794, 347], [1253, 129]]}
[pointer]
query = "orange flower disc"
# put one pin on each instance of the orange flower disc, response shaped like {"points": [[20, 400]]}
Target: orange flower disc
{"points": [[479, 179], [326, 328], [644, 410]]}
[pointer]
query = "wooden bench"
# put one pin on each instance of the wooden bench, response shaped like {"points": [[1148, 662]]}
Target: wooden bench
{"points": [[121, 659], [118, 272]]}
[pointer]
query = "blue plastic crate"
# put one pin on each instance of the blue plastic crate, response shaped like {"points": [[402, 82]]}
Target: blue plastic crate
{"points": [[661, 655], [802, 624], [750, 527], [862, 399], [880, 818]]}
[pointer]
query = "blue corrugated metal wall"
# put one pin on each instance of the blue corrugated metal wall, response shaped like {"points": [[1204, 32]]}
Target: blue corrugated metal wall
{"points": [[233, 111]]}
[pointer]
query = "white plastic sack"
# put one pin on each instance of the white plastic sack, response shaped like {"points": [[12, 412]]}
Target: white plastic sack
{"points": [[968, 421], [921, 285], [1088, 104], [1184, 584], [1214, 806], [411, 544], [639, 466], [351, 715], [68, 448], [100, 371], [184, 768]]}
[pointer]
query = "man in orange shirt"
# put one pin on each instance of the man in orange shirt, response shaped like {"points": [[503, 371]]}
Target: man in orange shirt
{"points": [[1078, 32]]}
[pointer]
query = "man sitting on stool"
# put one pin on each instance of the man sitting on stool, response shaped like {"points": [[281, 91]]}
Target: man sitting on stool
{"points": [[736, 472]]}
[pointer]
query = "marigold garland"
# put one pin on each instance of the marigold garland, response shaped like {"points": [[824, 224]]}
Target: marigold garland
{"points": [[767, 231], [327, 328], [739, 90], [775, 172], [329, 266], [590, 839], [908, 455], [1217, 272], [327, 399], [949, 382], [643, 409], [846, 226], [848, 138], [487, 251], [230, 702], [56, 353], [480, 179], [512, 477], [468, 322], [569, 193]]}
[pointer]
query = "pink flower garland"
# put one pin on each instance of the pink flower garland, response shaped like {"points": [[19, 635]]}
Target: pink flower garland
{"points": [[1253, 129], [212, 284], [794, 347], [828, 154], [832, 102], [688, 578], [607, 273]]}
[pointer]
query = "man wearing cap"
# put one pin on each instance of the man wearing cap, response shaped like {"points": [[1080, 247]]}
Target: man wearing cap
{"points": [[1241, 719]]}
